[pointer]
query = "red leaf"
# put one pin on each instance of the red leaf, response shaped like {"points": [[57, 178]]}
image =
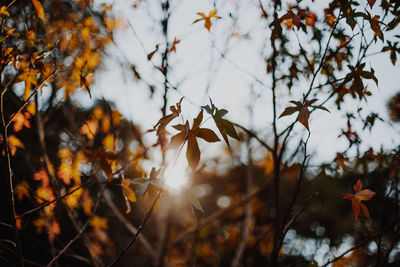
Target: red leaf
{"points": [[371, 3]]}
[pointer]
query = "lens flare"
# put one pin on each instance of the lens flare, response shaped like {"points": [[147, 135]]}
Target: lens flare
{"points": [[176, 176]]}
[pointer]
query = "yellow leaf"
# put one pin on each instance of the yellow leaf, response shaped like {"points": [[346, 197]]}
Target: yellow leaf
{"points": [[128, 192], [108, 142], [13, 143], [3, 11], [31, 108], [98, 223], [21, 190], [207, 19], [38, 9], [89, 129]]}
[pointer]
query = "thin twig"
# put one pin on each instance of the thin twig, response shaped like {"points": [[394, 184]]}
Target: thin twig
{"points": [[78, 235], [361, 243]]}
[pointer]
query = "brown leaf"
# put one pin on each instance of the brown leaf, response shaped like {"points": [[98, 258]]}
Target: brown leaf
{"points": [[303, 117], [375, 27], [371, 3], [193, 152], [151, 54], [207, 135], [177, 140]]}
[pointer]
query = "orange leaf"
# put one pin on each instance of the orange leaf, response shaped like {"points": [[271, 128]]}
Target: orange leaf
{"points": [[13, 143], [360, 195], [21, 190], [98, 223], [38, 9], [20, 120], [207, 19], [89, 129]]}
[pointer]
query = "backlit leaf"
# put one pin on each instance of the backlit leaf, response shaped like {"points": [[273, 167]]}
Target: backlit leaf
{"points": [[207, 135], [194, 201], [193, 152]]}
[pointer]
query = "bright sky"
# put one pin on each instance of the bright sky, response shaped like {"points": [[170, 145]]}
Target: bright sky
{"points": [[199, 72]]}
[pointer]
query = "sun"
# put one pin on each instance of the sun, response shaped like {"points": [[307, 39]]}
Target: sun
{"points": [[176, 176]]}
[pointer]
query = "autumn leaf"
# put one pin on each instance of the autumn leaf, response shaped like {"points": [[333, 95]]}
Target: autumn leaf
{"points": [[371, 3], [224, 126], [3, 11], [128, 194], [98, 223], [191, 135], [73, 199], [375, 27], [13, 143], [360, 195], [20, 120], [173, 47], [163, 122], [38, 9], [304, 113], [151, 54], [21, 190], [42, 176], [207, 19], [89, 128]]}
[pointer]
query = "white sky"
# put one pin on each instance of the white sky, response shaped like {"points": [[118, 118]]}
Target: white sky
{"points": [[197, 64]]}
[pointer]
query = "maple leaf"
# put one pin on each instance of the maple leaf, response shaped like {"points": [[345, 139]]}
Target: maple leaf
{"points": [[20, 120], [38, 9], [163, 122], [72, 200], [3, 11], [13, 143], [191, 135], [371, 3], [173, 47], [65, 171], [128, 193], [89, 129], [224, 126], [207, 19], [360, 195], [304, 113], [98, 223], [375, 27]]}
